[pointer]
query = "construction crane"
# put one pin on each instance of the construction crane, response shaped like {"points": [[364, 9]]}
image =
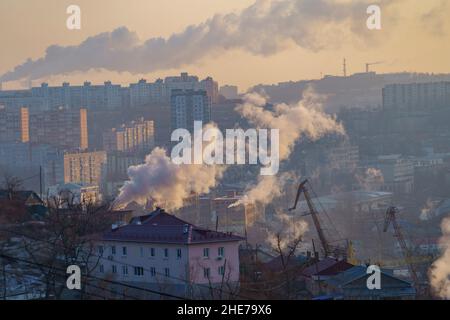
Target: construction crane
{"points": [[368, 64], [314, 214], [390, 218]]}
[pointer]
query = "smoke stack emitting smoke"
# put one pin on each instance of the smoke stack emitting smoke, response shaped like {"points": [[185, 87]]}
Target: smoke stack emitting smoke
{"points": [[264, 28]]}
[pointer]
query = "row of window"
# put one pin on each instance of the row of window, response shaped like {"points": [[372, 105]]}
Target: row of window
{"points": [[139, 271], [152, 252]]}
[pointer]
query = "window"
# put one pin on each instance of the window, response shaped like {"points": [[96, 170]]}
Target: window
{"points": [[152, 252], [167, 272], [166, 253], [114, 268], [221, 270], [206, 272], [113, 250], [125, 270], [100, 250], [124, 251], [138, 271], [206, 253], [101, 268], [178, 253], [141, 251], [152, 271], [221, 251]]}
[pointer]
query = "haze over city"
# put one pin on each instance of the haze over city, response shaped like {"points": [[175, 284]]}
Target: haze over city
{"points": [[225, 150]]}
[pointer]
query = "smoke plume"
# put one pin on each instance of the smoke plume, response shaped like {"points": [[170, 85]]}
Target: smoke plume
{"points": [[165, 183], [440, 270], [264, 28], [285, 231], [304, 119], [371, 180]]}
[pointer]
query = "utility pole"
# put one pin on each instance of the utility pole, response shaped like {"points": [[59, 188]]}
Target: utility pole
{"points": [[40, 182], [345, 68]]}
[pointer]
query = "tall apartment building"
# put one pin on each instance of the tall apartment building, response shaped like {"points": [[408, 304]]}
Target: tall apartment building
{"points": [[188, 106], [62, 127], [14, 124], [106, 96], [85, 167], [417, 96], [136, 135]]}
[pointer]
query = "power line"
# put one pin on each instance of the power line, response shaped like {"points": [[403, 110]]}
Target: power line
{"points": [[145, 269]]}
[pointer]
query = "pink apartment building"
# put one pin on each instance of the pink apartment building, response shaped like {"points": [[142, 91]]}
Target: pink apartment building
{"points": [[163, 253]]}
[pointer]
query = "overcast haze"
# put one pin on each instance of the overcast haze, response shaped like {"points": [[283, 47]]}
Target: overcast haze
{"points": [[414, 37]]}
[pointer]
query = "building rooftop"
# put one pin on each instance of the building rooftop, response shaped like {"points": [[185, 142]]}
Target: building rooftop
{"points": [[161, 227]]}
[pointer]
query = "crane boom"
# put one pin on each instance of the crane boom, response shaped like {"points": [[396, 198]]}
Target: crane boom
{"points": [[314, 214], [390, 218]]}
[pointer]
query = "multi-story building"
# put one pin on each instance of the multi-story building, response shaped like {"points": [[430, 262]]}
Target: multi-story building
{"points": [[84, 167], [161, 252], [107, 96], [416, 96], [188, 106], [397, 172], [134, 136], [25, 160], [229, 92], [62, 127], [14, 124]]}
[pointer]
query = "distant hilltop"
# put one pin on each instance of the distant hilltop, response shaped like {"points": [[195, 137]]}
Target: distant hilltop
{"points": [[360, 90]]}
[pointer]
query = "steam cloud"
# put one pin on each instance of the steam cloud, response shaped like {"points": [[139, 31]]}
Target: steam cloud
{"points": [[440, 270], [264, 28], [305, 118], [285, 231], [166, 183]]}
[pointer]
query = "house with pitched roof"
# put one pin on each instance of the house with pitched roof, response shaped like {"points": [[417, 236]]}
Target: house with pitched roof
{"points": [[163, 253]]}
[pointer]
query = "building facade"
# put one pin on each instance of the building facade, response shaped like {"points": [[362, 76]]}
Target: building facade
{"points": [[188, 106], [85, 167], [131, 137], [14, 124], [62, 127], [161, 252]]}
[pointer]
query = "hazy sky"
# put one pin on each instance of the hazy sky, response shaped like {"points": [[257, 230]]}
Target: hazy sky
{"points": [[415, 36]]}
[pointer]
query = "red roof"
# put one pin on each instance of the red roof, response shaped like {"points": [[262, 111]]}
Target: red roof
{"points": [[161, 227]]}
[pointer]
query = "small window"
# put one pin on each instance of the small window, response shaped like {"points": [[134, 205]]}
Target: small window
{"points": [[221, 251], [206, 253], [152, 252], [114, 268], [113, 250], [178, 253], [101, 268], [166, 253], [141, 251], [152, 271], [221, 270], [167, 272], [124, 251], [206, 272], [138, 271], [100, 250], [125, 270]]}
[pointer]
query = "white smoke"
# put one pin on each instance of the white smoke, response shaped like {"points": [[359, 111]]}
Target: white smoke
{"points": [[440, 270], [304, 119], [167, 184], [426, 213], [264, 28], [372, 179], [285, 231]]}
